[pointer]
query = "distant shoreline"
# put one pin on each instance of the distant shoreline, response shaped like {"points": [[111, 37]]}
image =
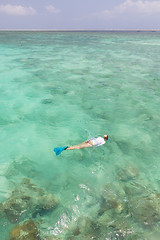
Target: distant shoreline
{"points": [[79, 30]]}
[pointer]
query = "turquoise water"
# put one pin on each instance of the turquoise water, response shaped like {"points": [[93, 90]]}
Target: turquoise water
{"points": [[62, 88]]}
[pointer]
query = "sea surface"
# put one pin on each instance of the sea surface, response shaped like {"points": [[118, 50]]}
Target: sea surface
{"points": [[60, 89]]}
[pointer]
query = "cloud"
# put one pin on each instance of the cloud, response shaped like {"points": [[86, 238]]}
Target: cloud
{"points": [[128, 7], [17, 10], [52, 9]]}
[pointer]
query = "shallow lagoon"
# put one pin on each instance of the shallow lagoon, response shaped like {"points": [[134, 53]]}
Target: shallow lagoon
{"points": [[59, 88]]}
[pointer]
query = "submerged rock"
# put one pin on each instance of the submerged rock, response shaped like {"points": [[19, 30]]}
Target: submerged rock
{"points": [[25, 231], [111, 203], [15, 207], [146, 210], [47, 101], [114, 217], [83, 228], [127, 173], [28, 200], [1, 209], [117, 228], [21, 166], [106, 219], [113, 188], [112, 197], [48, 201], [132, 189]]}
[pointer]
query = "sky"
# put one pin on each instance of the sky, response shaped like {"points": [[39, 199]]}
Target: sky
{"points": [[80, 15]]}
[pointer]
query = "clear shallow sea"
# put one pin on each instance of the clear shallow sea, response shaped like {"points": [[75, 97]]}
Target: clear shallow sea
{"points": [[62, 88]]}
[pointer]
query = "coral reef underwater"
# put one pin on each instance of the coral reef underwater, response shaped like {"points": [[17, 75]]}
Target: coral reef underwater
{"points": [[125, 210]]}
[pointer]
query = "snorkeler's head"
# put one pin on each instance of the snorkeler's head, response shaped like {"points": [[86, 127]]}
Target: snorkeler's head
{"points": [[105, 137]]}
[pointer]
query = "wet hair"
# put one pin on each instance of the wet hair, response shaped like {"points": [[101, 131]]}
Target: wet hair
{"points": [[105, 137]]}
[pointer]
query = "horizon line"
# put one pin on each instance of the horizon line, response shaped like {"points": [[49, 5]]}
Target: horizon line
{"points": [[82, 30]]}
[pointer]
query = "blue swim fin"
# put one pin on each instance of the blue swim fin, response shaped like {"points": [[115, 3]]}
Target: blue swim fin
{"points": [[59, 150]]}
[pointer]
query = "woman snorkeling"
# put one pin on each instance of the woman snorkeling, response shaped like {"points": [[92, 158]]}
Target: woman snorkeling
{"points": [[90, 143]]}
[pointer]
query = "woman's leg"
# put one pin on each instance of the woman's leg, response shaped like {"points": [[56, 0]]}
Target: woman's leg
{"points": [[85, 144]]}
